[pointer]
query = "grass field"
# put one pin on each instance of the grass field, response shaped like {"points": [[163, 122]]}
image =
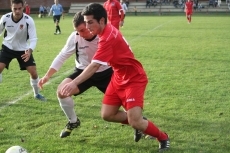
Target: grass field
{"points": [[188, 94]]}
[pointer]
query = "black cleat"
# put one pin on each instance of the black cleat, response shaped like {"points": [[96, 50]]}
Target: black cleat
{"points": [[138, 134], [164, 144], [68, 128]]}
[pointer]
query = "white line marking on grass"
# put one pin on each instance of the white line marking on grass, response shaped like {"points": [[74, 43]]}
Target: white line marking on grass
{"points": [[31, 91], [147, 32], [28, 93]]}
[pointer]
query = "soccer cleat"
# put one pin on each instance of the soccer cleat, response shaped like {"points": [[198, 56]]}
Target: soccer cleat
{"points": [[57, 33], [68, 128], [40, 97], [138, 134], [164, 144]]}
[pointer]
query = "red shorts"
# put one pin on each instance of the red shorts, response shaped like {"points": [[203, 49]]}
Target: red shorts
{"points": [[127, 97], [116, 23], [188, 12]]}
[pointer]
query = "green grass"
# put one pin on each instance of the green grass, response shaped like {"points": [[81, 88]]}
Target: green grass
{"points": [[188, 94]]}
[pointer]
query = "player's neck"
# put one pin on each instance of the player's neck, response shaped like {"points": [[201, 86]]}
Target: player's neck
{"points": [[16, 19]]}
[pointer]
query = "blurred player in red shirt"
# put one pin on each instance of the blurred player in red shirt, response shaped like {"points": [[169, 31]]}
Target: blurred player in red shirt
{"points": [[127, 86], [27, 9], [115, 13], [188, 10]]}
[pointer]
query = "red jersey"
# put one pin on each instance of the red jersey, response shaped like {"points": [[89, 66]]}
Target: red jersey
{"points": [[189, 6], [27, 10], [113, 7], [114, 50]]}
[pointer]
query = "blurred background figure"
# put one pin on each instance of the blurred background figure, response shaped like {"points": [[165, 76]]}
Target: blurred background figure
{"points": [[124, 8], [41, 11], [27, 8]]}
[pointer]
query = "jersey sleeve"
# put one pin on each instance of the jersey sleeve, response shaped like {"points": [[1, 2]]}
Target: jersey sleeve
{"points": [[104, 53], [68, 50], [120, 9], [32, 34], [2, 27]]}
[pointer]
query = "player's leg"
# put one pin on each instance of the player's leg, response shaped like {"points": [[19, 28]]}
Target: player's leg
{"points": [[55, 23], [110, 110], [190, 19], [67, 106], [30, 66], [134, 105], [67, 103], [5, 58], [58, 30]]}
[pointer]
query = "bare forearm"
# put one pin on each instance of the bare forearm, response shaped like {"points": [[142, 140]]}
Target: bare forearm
{"points": [[50, 72], [87, 73]]}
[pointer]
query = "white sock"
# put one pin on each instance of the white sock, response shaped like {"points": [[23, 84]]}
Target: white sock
{"points": [[0, 77], [67, 106], [34, 85]]}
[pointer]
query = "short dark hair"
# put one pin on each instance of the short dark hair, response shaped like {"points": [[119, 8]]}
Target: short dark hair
{"points": [[78, 19], [97, 10], [17, 2]]}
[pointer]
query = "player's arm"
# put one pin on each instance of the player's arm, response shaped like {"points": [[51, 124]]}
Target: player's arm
{"points": [[2, 27], [68, 50], [121, 12], [32, 41], [32, 34], [86, 74], [51, 9]]}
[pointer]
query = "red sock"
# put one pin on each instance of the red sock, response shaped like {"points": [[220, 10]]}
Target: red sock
{"points": [[153, 130]]}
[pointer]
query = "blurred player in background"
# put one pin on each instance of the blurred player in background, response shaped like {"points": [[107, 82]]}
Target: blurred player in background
{"points": [[124, 8], [115, 13], [19, 42], [27, 7], [57, 10], [188, 10], [128, 81]]}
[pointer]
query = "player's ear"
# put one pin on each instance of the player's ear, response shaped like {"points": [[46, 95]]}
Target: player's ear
{"points": [[102, 20]]}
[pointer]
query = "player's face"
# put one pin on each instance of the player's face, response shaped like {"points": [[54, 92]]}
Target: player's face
{"points": [[83, 32], [92, 25], [17, 10]]}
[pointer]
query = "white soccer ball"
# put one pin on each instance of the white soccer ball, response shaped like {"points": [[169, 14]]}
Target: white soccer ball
{"points": [[16, 149]]}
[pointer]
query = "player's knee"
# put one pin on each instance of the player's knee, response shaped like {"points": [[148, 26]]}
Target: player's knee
{"points": [[134, 123], [106, 116]]}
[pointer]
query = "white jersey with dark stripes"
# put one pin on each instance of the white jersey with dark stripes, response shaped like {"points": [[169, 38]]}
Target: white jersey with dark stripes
{"points": [[83, 49], [20, 35]]}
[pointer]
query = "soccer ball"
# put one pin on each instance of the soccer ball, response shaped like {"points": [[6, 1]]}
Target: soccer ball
{"points": [[39, 15], [16, 149]]}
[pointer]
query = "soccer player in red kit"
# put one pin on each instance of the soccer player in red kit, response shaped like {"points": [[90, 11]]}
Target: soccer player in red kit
{"points": [[128, 81], [27, 9], [115, 13], [188, 10]]}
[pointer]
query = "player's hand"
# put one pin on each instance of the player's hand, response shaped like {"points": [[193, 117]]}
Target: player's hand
{"points": [[42, 81], [27, 55], [121, 23], [69, 88]]}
